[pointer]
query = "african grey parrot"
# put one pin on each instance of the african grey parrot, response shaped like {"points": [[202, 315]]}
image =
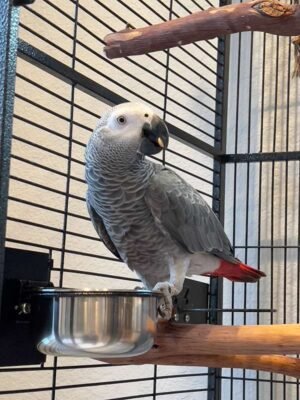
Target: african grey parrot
{"points": [[146, 214]]}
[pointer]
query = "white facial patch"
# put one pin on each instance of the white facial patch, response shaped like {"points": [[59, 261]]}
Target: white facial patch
{"points": [[126, 120]]}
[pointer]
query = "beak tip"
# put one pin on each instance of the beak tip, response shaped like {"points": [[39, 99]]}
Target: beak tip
{"points": [[161, 143], [156, 136]]}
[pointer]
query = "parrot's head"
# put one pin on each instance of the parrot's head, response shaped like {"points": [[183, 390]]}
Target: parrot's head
{"points": [[132, 127]]}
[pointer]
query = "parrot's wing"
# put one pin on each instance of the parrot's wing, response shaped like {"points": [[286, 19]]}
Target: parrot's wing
{"points": [[101, 230], [180, 211]]}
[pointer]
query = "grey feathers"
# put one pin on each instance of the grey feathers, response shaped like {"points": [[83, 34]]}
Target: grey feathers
{"points": [[101, 230], [145, 214], [183, 213]]}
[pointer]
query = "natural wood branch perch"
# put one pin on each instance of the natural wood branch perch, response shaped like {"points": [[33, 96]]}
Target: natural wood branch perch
{"points": [[263, 16], [276, 364], [251, 347], [191, 340]]}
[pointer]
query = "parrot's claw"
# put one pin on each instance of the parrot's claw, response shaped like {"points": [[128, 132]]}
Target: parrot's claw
{"points": [[165, 312], [167, 290]]}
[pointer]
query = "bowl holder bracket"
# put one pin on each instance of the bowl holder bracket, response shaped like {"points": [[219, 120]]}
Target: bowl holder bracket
{"points": [[23, 271]]}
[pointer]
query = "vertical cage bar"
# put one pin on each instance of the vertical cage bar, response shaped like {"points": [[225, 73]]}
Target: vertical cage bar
{"points": [[216, 284], [165, 105], [286, 202], [272, 233], [9, 23], [247, 225], [235, 183], [68, 182], [259, 241]]}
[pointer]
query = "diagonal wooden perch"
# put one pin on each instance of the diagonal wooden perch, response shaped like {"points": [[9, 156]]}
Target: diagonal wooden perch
{"points": [[260, 15], [251, 347]]}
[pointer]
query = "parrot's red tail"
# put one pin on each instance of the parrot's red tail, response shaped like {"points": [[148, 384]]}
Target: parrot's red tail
{"points": [[237, 272]]}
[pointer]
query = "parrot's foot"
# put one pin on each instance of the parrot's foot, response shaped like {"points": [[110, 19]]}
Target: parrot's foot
{"points": [[167, 290]]}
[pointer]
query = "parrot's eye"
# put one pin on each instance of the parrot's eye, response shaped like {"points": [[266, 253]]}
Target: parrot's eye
{"points": [[121, 120], [146, 115]]}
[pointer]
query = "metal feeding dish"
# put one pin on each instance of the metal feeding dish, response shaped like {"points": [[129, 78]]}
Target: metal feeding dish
{"points": [[91, 323]]}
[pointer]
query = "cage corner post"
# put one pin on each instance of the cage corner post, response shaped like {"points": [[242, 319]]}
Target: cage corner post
{"points": [[9, 24], [216, 284]]}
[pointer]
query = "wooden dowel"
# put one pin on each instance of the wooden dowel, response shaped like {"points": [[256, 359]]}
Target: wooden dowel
{"points": [[260, 15], [227, 340], [269, 363], [195, 340], [253, 347]]}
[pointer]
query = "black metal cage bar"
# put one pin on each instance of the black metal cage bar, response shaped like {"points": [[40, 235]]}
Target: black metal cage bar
{"points": [[8, 39]]}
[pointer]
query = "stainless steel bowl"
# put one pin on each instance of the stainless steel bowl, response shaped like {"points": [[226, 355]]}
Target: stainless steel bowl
{"points": [[89, 323]]}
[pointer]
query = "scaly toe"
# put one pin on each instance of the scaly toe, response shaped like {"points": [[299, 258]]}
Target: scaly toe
{"points": [[165, 312], [166, 306]]}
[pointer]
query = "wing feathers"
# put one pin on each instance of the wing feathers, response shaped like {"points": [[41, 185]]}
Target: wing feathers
{"points": [[101, 230], [185, 215]]}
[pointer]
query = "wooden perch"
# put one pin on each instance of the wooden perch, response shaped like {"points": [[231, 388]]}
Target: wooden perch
{"points": [[276, 364], [251, 347], [263, 16]]}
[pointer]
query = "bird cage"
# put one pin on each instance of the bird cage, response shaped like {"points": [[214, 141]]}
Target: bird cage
{"points": [[232, 111]]}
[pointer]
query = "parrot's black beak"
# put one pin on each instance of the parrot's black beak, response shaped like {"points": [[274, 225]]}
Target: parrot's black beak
{"points": [[155, 136]]}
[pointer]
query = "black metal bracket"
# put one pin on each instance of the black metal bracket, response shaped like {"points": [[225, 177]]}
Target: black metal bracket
{"points": [[191, 305], [261, 157], [22, 2], [23, 270]]}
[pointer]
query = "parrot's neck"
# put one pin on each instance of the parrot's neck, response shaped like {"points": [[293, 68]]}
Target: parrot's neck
{"points": [[118, 162]]}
